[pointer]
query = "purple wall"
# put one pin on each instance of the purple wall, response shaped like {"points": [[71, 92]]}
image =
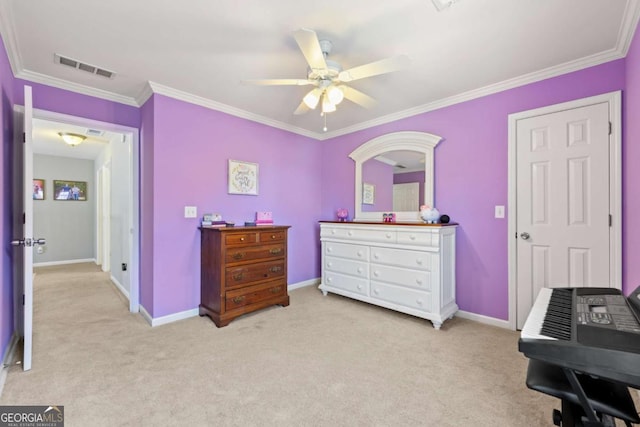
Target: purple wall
{"points": [[191, 148], [471, 173], [147, 129], [6, 274], [381, 175], [406, 178], [630, 170]]}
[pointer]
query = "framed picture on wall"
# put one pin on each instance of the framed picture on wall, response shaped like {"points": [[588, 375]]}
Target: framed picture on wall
{"points": [[243, 178], [38, 189], [69, 190], [368, 193]]}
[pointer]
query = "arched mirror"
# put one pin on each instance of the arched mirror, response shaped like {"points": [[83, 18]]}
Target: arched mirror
{"points": [[394, 173]]}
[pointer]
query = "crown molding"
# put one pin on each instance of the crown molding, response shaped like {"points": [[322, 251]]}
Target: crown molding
{"points": [[7, 30], [145, 94], [224, 108], [629, 24], [555, 71], [75, 87]]}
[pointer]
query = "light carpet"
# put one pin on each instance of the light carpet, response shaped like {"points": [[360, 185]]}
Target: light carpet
{"points": [[322, 361]]}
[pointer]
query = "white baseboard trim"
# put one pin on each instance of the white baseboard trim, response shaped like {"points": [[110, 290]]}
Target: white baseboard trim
{"points": [[483, 319], [120, 287], [170, 318], [304, 283], [7, 358], [70, 261]]}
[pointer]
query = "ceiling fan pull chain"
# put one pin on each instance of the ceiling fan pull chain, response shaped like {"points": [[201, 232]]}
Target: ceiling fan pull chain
{"points": [[325, 123]]}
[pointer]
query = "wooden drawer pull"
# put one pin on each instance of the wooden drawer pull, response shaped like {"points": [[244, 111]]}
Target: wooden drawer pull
{"points": [[275, 251], [275, 290], [273, 236], [238, 276], [275, 269], [238, 255], [242, 239], [239, 299]]}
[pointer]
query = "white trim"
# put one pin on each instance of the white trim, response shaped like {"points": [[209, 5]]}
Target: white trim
{"points": [[413, 141], [120, 287], [145, 315], [65, 262], [615, 191], [224, 108], [628, 28], [7, 358], [170, 318], [8, 32], [304, 284], [492, 321]]}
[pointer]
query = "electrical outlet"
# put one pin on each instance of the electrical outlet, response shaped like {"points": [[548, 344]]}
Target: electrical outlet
{"points": [[499, 213], [190, 212], [124, 266]]}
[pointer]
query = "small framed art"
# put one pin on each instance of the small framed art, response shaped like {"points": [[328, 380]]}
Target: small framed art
{"points": [[38, 189], [70, 190], [243, 178], [368, 193]]}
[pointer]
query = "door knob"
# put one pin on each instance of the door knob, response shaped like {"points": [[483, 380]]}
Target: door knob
{"points": [[524, 236], [39, 241]]}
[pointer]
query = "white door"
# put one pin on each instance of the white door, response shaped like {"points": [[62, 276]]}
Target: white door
{"points": [[562, 202], [406, 197], [23, 233]]}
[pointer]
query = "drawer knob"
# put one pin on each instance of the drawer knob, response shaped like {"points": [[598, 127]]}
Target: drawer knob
{"points": [[275, 251], [238, 255], [239, 299], [333, 231], [412, 237], [360, 254], [350, 233], [329, 264], [376, 256], [329, 279], [242, 239], [238, 276], [419, 281], [329, 249], [419, 302], [273, 236], [419, 261], [359, 287], [376, 291], [359, 269], [376, 273], [389, 235]]}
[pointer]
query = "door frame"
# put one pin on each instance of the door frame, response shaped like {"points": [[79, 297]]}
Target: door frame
{"points": [[131, 135], [614, 100]]}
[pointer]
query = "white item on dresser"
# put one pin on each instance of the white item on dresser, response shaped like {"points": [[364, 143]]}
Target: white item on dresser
{"points": [[404, 267]]}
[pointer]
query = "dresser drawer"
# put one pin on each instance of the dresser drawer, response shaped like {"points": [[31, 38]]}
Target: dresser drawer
{"points": [[424, 239], [402, 258], [359, 234], [246, 274], [345, 250], [347, 266], [252, 294], [347, 283], [272, 236], [240, 238], [254, 252], [418, 279], [402, 296]]}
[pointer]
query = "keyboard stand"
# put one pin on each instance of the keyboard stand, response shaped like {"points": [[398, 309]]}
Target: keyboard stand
{"points": [[582, 396]]}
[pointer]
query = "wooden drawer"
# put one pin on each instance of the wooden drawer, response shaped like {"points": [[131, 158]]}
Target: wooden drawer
{"points": [[240, 238], [272, 236], [246, 274], [402, 258], [345, 250], [410, 298], [239, 298], [255, 252], [418, 279]]}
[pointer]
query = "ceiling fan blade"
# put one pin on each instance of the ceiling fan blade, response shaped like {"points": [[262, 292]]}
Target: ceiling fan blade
{"points": [[279, 82], [302, 108], [310, 46], [383, 66], [358, 97]]}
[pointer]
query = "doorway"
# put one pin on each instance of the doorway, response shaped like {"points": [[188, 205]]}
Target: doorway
{"points": [[565, 197]]}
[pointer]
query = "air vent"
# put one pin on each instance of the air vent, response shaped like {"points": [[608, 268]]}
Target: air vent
{"points": [[62, 60], [94, 132]]}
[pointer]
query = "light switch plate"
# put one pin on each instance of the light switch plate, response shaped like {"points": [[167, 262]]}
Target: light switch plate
{"points": [[499, 211], [190, 212]]}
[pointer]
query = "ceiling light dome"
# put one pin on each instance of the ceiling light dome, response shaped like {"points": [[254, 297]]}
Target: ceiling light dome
{"points": [[335, 95], [72, 139]]}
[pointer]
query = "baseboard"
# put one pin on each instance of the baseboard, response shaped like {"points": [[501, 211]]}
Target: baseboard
{"points": [[120, 287], [7, 358], [483, 319], [70, 261], [158, 321], [304, 283]]}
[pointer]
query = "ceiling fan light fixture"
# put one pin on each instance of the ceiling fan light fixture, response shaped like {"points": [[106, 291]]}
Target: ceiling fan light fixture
{"points": [[335, 95], [327, 106], [443, 4], [311, 99], [72, 139]]}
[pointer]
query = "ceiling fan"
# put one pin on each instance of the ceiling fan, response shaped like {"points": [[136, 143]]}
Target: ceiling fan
{"points": [[329, 78]]}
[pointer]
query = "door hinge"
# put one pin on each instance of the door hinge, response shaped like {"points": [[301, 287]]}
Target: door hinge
{"points": [[22, 299], [24, 218], [610, 128], [610, 221], [24, 137]]}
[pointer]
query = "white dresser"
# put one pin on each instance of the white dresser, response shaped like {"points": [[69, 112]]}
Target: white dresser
{"points": [[404, 267]]}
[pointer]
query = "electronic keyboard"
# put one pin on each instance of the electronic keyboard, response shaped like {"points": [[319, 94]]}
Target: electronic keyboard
{"points": [[594, 331]]}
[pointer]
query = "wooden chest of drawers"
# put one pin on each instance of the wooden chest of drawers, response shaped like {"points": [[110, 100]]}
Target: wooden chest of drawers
{"points": [[243, 269]]}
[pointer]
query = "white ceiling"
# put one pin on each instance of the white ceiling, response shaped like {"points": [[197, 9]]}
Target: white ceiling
{"points": [[199, 51]]}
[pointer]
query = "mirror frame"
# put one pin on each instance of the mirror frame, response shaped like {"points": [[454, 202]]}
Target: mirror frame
{"points": [[412, 141]]}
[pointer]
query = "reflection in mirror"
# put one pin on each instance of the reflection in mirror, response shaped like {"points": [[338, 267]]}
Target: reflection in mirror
{"points": [[394, 173], [397, 178]]}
